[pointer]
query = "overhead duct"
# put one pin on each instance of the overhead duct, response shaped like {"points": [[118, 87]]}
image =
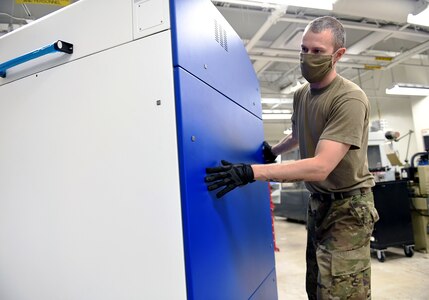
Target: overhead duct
{"points": [[387, 10]]}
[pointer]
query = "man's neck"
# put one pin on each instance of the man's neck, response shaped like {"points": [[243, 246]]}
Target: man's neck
{"points": [[325, 82]]}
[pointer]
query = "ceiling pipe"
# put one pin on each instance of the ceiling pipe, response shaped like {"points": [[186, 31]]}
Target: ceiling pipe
{"points": [[248, 3], [290, 73], [367, 42], [294, 60], [407, 54], [360, 26], [295, 54], [289, 33]]}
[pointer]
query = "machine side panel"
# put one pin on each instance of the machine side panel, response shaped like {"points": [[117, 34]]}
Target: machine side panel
{"points": [[268, 289], [207, 46], [89, 179], [228, 241]]}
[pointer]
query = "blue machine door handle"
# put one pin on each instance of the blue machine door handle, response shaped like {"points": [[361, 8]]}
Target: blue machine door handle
{"points": [[58, 46]]}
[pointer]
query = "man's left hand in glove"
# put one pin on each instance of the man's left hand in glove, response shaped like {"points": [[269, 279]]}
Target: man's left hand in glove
{"points": [[267, 153], [228, 175]]}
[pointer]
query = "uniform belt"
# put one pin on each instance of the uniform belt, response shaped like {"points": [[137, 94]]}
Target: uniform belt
{"points": [[341, 195]]}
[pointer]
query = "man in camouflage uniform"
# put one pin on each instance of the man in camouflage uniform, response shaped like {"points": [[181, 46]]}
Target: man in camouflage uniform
{"points": [[330, 126], [338, 254]]}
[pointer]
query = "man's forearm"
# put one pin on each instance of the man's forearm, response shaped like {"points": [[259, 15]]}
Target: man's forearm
{"points": [[285, 145], [328, 155], [300, 170]]}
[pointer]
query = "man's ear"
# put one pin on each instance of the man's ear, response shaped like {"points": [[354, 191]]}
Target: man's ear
{"points": [[338, 54]]}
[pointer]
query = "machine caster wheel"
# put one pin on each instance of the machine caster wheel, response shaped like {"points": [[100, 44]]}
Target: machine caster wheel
{"points": [[409, 250], [381, 256]]}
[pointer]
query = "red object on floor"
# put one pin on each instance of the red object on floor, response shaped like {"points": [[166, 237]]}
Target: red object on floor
{"points": [[272, 219]]}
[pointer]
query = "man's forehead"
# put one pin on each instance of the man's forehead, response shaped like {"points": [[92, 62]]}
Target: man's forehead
{"points": [[325, 32], [323, 39]]}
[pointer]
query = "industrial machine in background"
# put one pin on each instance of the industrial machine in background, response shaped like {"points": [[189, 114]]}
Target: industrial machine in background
{"points": [[391, 195], [402, 204], [378, 163], [418, 179], [394, 228], [293, 201]]}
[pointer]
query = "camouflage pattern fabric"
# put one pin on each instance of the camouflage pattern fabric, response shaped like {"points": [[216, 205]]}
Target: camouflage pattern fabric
{"points": [[338, 247]]}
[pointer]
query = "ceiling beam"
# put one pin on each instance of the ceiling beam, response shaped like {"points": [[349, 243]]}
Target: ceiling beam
{"points": [[272, 19]]}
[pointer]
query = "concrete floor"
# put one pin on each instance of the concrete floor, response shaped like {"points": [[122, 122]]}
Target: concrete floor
{"points": [[399, 277]]}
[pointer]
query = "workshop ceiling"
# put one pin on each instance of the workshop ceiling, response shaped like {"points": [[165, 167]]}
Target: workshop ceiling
{"points": [[382, 48]]}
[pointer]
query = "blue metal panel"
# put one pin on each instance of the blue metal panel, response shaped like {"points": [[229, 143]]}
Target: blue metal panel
{"points": [[206, 46], [228, 241], [268, 289]]}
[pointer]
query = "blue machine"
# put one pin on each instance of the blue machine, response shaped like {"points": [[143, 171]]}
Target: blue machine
{"points": [[228, 242], [111, 142]]}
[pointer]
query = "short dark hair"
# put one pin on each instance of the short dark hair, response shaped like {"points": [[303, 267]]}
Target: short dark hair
{"points": [[329, 23]]}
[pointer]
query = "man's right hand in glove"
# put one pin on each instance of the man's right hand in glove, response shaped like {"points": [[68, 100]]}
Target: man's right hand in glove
{"points": [[267, 152], [228, 175]]}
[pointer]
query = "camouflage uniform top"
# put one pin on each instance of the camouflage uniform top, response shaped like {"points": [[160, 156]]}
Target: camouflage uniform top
{"points": [[338, 112]]}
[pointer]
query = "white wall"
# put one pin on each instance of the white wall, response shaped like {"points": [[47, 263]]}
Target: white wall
{"points": [[402, 113], [420, 110], [398, 114]]}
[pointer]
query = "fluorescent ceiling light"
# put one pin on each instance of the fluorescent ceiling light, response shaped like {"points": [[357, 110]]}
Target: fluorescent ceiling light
{"points": [[408, 89], [318, 4], [419, 19], [276, 116]]}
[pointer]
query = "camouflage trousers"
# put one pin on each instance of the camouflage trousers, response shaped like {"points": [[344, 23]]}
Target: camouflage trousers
{"points": [[338, 247]]}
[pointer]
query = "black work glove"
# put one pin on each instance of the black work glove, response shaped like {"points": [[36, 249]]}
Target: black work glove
{"points": [[267, 152], [228, 175]]}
